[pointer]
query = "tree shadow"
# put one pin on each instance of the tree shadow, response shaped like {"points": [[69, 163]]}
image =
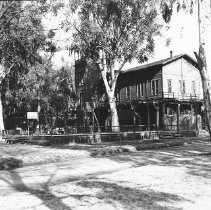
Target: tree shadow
{"points": [[199, 167], [43, 193], [132, 198], [196, 159]]}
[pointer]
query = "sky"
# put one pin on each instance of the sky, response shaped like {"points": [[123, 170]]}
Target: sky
{"points": [[183, 35], [182, 32]]}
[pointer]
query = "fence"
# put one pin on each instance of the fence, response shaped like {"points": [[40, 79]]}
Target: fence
{"points": [[79, 134], [121, 128], [16, 132], [104, 129]]}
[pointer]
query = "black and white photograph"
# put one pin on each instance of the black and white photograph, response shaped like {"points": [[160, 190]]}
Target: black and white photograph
{"points": [[105, 104]]}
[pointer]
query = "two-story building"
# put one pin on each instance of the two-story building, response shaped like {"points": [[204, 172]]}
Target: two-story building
{"points": [[160, 92], [155, 94]]}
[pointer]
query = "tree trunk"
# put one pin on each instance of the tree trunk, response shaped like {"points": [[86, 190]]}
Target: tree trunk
{"points": [[114, 114], [204, 18], [207, 102], [1, 118], [206, 93], [110, 89]]}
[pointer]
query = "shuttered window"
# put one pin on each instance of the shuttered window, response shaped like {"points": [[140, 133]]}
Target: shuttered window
{"points": [[182, 86], [139, 90], [118, 95], [169, 85], [154, 87], [128, 92], [194, 87]]}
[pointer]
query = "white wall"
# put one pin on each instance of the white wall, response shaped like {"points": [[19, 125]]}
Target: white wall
{"points": [[182, 70]]}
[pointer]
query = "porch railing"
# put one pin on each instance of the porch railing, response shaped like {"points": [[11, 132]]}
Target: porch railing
{"points": [[104, 129]]}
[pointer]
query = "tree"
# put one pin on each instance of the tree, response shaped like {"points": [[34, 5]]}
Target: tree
{"points": [[112, 33], [204, 20], [21, 38], [44, 89], [62, 98]]}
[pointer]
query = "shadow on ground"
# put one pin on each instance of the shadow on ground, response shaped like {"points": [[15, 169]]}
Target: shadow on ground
{"points": [[195, 157], [108, 193], [131, 198], [43, 193]]}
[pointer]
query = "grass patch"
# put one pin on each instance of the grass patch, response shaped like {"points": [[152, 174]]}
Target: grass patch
{"points": [[111, 151], [7, 163], [21, 155]]}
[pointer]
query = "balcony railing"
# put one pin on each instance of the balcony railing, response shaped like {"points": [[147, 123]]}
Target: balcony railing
{"points": [[187, 96], [162, 95]]}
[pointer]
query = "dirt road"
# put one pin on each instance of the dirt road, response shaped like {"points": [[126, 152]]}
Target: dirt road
{"points": [[170, 178]]}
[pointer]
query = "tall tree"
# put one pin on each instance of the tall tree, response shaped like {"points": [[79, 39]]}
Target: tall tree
{"points": [[112, 33], [21, 37], [204, 20]]}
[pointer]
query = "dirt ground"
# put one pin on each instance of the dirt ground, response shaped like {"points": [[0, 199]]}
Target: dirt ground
{"points": [[169, 178]]}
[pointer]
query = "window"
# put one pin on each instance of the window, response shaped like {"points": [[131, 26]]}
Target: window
{"points": [[139, 90], [169, 85], [154, 87], [182, 86], [193, 87], [118, 95], [128, 92], [142, 89]]}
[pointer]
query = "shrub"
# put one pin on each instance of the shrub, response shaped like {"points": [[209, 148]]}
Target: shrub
{"points": [[7, 163]]}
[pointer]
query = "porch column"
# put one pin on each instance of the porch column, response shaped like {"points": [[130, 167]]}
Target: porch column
{"points": [[192, 108], [134, 116], [148, 116], [157, 116], [192, 113], [163, 113], [178, 115]]}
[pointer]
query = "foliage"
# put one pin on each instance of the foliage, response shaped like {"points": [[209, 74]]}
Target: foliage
{"points": [[21, 36], [93, 84], [25, 74], [167, 7], [124, 29], [51, 89], [112, 33]]}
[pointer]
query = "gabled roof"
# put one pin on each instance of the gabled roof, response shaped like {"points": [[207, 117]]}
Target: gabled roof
{"points": [[163, 63]]}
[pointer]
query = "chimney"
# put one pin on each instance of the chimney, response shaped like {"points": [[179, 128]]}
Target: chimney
{"points": [[171, 53]]}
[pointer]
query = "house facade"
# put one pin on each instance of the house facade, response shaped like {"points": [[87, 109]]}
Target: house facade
{"points": [[161, 94], [166, 94]]}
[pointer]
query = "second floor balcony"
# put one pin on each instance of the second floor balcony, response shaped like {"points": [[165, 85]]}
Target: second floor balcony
{"points": [[162, 96]]}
